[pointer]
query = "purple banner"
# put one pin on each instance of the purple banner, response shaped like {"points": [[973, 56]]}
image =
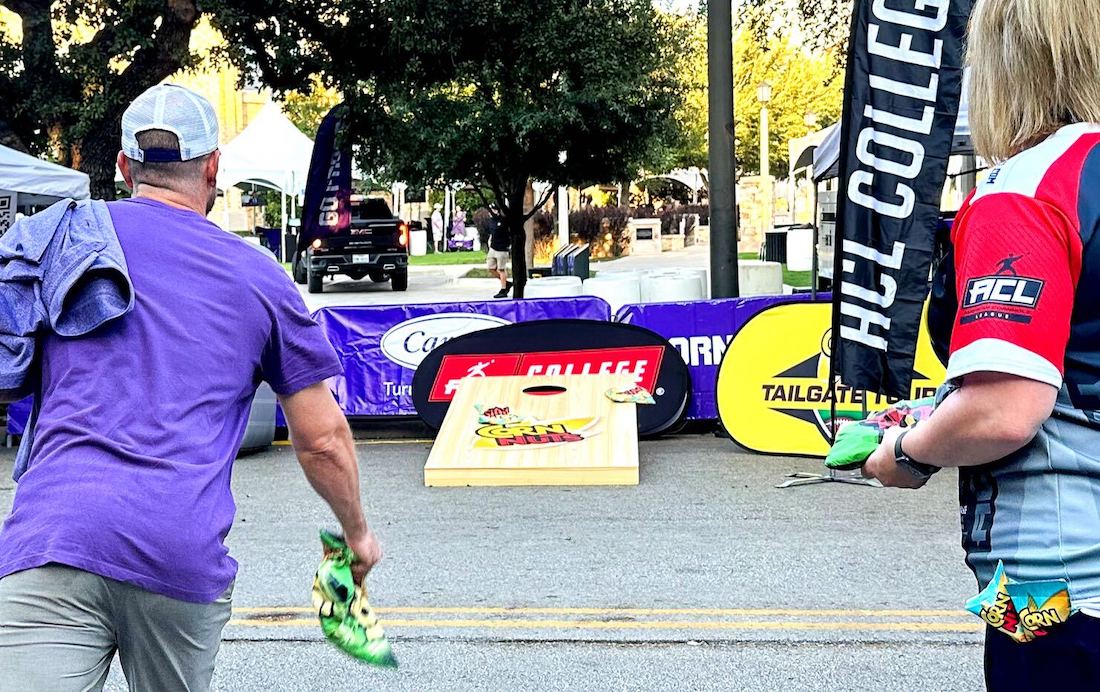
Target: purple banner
{"points": [[701, 331], [380, 346]]}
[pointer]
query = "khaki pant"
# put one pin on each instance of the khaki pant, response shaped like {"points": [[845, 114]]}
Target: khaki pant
{"points": [[60, 628]]}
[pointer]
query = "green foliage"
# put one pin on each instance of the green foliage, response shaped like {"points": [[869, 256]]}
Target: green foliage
{"points": [[802, 83], [690, 147], [600, 227], [481, 91], [804, 78], [491, 92], [76, 67], [824, 24], [306, 108], [444, 258]]}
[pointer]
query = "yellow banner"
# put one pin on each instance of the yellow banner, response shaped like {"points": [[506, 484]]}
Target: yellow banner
{"points": [[773, 384]]}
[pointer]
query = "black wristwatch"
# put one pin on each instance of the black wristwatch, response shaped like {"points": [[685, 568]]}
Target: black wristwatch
{"points": [[921, 472]]}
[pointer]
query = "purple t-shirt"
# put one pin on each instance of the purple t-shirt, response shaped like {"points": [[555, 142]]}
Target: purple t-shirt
{"points": [[141, 420]]}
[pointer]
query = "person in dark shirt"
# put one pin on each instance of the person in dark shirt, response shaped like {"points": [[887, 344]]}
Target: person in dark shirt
{"points": [[500, 247]]}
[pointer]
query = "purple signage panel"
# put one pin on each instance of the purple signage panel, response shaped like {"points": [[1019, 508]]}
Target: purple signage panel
{"points": [[701, 331], [381, 346]]}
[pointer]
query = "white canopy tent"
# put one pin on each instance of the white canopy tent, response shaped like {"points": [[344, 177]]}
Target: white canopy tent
{"points": [[827, 156], [37, 182], [270, 152]]}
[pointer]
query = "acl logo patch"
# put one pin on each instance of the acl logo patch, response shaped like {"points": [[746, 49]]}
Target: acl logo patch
{"points": [[1004, 296], [1003, 290]]}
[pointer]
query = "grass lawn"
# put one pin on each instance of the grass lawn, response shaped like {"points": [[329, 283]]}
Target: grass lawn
{"points": [[796, 279], [441, 258], [483, 273]]}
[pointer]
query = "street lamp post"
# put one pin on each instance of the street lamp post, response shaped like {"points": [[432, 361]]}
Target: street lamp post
{"points": [[562, 206], [764, 95]]}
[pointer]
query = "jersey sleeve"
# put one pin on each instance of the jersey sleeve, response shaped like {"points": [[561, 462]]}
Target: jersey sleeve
{"points": [[297, 354], [1017, 263]]}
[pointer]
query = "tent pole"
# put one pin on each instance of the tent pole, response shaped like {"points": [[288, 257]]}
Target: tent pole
{"points": [[282, 214], [817, 238]]}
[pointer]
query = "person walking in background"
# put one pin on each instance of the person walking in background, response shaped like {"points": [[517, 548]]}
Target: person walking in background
{"points": [[116, 537], [458, 227], [500, 247], [437, 228], [1020, 413]]}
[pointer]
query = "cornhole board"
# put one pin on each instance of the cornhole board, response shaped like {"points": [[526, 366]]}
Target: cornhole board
{"points": [[528, 437]]}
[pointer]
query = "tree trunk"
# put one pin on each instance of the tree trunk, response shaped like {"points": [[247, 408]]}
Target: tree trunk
{"points": [[95, 155], [529, 225], [10, 139], [519, 255]]}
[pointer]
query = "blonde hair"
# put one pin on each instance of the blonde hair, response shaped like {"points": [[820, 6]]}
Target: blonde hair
{"points": [[1035, 67]]}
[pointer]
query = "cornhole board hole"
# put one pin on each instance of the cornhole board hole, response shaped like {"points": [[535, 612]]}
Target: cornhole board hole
{"points": [[552, 430]]}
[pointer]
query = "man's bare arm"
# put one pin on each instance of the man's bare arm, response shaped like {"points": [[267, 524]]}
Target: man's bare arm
{"points": [[326, 451]]}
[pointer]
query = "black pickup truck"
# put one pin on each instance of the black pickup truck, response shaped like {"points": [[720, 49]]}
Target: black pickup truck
{"points": [[376, 244]]}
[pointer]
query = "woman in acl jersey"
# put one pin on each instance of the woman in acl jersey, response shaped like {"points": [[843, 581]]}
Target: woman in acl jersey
{"points": [[1022, 423]]}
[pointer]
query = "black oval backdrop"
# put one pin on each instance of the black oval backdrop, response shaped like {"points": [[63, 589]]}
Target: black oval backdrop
{"points": [[556, 341]]}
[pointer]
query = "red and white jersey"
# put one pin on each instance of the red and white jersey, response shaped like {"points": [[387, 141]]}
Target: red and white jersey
{"points": [[1019, 262], [1027, 264]]}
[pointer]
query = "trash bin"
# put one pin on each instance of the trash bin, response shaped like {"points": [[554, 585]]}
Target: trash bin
{"points": [[291, 240], [269, 238], [418, 243], [775, 246]]}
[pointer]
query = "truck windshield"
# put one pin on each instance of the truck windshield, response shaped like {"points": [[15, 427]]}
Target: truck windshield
{"points": [[371, 208]]}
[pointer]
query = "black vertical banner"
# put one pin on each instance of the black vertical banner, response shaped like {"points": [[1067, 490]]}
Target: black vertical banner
{"points": [[327, 204], [904, 82]]}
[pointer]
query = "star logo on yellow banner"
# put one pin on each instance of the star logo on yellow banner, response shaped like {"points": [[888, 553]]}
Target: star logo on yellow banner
{"points": [[773, 385]]}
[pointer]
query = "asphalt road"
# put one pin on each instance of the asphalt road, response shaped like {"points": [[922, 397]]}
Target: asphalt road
{"points": [[705, 576]]}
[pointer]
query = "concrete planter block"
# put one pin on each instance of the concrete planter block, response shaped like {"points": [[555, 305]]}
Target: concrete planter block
{"points": [[645, 236], [672, 242], [759, 278]]}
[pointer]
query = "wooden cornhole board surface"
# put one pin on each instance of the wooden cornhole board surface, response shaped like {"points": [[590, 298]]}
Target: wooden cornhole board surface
{"points": [[577, 437]]}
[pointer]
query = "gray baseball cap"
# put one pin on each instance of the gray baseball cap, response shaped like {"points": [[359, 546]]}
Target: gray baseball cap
{"points": [[174, 109]]}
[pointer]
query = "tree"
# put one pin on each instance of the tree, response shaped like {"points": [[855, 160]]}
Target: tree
{"points": [[802, 83], [70, 71], [563, 91], [306, 108], [489, 93], [691, 145], [824, 23]]}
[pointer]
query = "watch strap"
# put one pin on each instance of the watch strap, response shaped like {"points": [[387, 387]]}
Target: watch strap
{"points": [[920, 471]]}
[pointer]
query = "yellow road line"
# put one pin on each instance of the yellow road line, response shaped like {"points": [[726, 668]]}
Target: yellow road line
{"points": [[632, 612], [747, 625]]}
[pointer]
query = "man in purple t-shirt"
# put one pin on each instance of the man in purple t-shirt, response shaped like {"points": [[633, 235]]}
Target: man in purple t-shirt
{"points": [[115, 541]]}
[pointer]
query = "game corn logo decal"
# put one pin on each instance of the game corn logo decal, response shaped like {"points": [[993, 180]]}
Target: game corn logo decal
{"points": [[543, 434], [773, 393]]}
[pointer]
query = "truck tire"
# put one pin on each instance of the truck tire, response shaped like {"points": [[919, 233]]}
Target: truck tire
{"points": [[298, 269], [378, 276], [314, 280], [399, 279]]}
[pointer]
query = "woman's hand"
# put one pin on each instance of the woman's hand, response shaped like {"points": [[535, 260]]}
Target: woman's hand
{"points": [[882, 467]]}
